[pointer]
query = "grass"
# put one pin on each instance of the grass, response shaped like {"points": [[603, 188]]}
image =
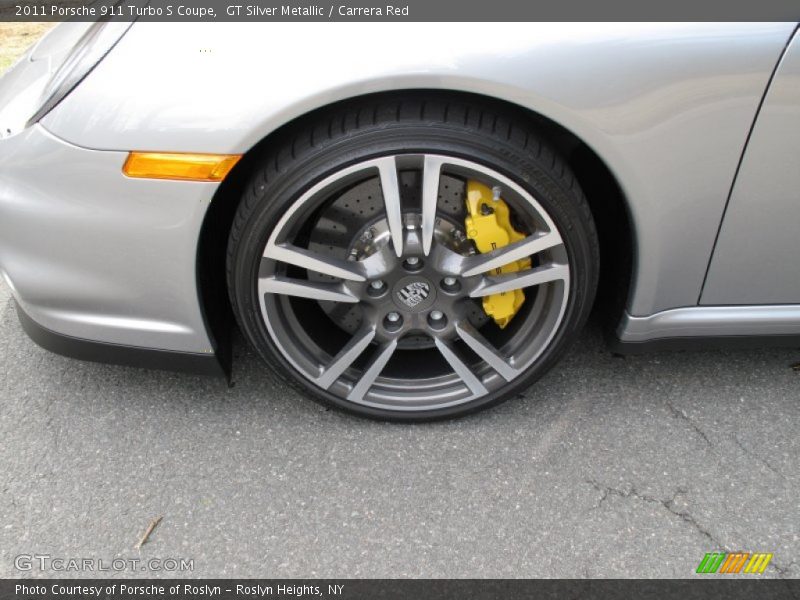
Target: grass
{"points": [[15, 38]]}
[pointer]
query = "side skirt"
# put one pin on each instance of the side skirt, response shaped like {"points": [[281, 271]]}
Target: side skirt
{"points": [[701, 327]]}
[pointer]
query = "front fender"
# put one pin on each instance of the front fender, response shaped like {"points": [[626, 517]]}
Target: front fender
{"points": [[666, 106]]}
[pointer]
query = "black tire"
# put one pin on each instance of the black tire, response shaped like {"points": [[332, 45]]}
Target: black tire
{"points": [[477, 131]]}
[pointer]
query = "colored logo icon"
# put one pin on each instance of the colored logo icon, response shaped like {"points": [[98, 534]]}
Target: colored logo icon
{"points": [[734, 562]]}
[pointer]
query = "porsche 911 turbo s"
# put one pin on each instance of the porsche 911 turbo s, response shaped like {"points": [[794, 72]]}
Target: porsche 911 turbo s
{"points": [[406, 227]]}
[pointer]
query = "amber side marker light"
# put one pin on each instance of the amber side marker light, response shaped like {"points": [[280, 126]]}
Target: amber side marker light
{"points": [[179, 165]]}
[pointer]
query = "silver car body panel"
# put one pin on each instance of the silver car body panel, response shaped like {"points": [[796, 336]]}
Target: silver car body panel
{"points": [[755, 260], [91, 253]]}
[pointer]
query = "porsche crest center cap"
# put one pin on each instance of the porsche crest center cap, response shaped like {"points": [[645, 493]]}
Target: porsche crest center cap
{"points": [[414, 294]]}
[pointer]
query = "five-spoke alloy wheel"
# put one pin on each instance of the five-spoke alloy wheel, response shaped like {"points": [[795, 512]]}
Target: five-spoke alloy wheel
{"points": [[353, 269]]}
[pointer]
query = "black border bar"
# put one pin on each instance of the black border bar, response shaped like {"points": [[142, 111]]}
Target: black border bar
{"points": [[744, 587], [400, 10]]}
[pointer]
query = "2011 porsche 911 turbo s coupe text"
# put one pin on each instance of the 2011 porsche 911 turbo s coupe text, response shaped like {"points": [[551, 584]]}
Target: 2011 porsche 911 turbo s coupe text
{"points": [[406, 221]]}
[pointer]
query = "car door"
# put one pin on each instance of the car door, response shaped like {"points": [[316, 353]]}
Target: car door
{"points": [[755, 260]]}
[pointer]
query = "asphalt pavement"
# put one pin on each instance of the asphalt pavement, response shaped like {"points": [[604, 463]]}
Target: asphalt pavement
{"points": [[609, 467]]}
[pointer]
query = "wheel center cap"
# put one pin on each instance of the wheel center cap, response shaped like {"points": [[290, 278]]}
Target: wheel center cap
{"points": [[413, 294]]}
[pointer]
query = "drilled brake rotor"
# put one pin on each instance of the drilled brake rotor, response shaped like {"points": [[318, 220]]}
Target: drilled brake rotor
{"points": [[353, 226]]}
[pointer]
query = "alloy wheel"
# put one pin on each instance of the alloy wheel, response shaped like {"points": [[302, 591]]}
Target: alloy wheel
{"points": [[371, 290]]}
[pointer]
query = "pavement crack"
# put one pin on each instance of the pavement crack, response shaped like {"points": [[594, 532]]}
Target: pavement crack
{"points": [[600, 489], [680, 414], [755, 456], [629, 493], [687, 517], [668, 504]]}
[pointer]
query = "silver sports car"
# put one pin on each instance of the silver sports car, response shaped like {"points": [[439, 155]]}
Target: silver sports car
{"points": [[406, 221]]}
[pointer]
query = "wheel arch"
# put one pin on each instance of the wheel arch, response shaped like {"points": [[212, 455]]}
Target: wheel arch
{"points": [[609, 206]]}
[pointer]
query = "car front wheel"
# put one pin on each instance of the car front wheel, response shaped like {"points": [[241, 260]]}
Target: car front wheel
{"points": [[412, 260]]}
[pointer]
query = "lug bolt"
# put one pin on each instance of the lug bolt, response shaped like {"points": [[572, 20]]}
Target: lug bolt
{"points": [[450, 284], [436, 319], [393, 321], [413, 263], [376, 288]]}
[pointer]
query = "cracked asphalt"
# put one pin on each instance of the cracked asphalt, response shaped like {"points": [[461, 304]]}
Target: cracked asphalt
{"points": [[609, 467]]}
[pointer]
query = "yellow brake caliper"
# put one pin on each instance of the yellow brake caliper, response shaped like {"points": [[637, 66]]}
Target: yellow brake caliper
{"points": [[489, 226]]}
